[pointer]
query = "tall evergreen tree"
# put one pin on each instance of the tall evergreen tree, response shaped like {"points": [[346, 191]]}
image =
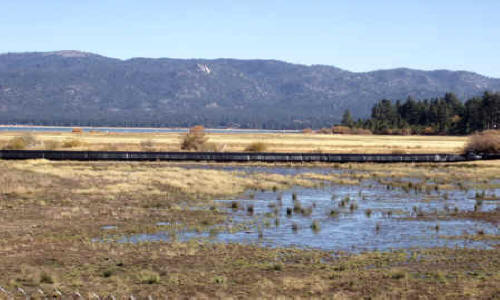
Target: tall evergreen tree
{"points": [[446, 115], [347, 119]]}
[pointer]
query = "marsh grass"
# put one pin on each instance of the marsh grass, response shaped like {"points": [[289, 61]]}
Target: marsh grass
{"points": [[333, 213], [235, 205], [276, 142], [315, 226], [148, 277], [297, 206], [51, 212], [250, 209], [368, 212], [306, 211]]}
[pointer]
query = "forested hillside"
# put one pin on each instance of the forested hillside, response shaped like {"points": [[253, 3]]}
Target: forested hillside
{"points": [[78, 88]]}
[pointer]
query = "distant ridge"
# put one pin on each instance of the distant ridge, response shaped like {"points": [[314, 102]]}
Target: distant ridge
{"points": [[79, 88]]}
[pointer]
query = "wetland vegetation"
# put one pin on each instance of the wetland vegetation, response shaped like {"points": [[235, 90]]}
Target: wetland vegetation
{"points": [[250, 230], [198, 141]]}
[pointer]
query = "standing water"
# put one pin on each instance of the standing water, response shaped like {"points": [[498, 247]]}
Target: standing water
{"points": [[353, 218]]}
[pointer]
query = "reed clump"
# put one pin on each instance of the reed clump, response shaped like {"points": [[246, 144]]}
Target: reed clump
{"points": [[315, 226]]}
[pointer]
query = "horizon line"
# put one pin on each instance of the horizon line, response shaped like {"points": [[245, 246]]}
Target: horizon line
{"points": [[79, 53]]}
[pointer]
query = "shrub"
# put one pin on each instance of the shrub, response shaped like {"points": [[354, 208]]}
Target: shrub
{"points": [[16, 143], [341, 129], [361, 131], [324, 131], [195, 139], [147, 145], [72, 143], [256, 147], [21, 142], [428, 131], [406, 131], [307, 130], [398, 151], [484, 142], [387, 131], [51, 144]]}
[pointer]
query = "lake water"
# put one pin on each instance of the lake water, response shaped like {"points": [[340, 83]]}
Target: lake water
{"points": [[137, 129]]}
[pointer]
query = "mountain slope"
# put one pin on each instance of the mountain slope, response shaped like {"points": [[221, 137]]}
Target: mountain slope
{"points": [[71, 87]]}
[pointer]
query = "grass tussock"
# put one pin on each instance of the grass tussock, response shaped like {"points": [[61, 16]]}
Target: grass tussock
{"points": [[148, 277], [484, 142]]}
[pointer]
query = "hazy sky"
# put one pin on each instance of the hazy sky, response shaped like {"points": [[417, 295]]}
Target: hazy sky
{"points": [[354, 35]]}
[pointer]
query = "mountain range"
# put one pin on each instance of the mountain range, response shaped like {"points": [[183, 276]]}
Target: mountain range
{"points": [[80, 88]]}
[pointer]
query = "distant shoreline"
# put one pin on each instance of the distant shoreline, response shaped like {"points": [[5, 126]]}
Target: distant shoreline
{"points": [[150, 128], [84, 127]]}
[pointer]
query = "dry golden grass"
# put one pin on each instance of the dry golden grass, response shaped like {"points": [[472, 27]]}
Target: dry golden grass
{"points": [[275, 142], [148, 178]]}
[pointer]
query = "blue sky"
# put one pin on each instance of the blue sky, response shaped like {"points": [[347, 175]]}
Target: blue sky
{"points": [[355, 35]]}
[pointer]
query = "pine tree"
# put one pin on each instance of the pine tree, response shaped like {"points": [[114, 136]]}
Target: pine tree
{"points": [[347, 119]]}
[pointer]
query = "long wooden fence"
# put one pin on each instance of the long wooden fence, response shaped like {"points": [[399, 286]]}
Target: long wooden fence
{"points": [[236, 156]]}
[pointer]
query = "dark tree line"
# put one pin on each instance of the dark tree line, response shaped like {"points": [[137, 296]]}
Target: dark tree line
{"points": [[446, 115]]}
